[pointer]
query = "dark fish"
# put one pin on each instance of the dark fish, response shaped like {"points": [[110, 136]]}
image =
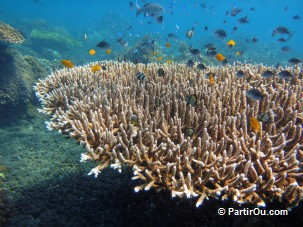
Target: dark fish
{"points": [[160, 19], [225, 62], [191, 99], [194, 52], [286, 49], [264, 117], [282, 40], [206, 28], [190, 33], [201, 66], [268, 74], [160, 72], [294, 61], [220, 33], [154, 10], [211, 53], [282, 31], [171, 35], [131, 4], [235, 28], [209, 45], [243, 20], [296, 17], [122, 42], [285, 9], [227, 12], [211, 48], [103, 67], [286, 75], [103, 44], [252, 9], [254, 94], [141, 76], [190, 63], [224, 22], [254, 40], [240, 73], [234, 11]]}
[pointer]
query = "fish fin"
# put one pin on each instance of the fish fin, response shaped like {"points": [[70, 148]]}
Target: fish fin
{"points": [[138, 9], [290, 35]]}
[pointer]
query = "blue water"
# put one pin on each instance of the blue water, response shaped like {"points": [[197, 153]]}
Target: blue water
{"points": [[109, 19]]}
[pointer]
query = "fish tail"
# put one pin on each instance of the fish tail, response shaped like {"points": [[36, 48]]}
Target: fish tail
{"points": [[138, 9], [290, 35]]}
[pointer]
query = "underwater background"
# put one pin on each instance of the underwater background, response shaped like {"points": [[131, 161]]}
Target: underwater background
{"points": [[42, 182]]}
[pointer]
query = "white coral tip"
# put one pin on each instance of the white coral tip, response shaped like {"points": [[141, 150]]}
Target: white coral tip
{"points": [[94, 171], [85, 158]]}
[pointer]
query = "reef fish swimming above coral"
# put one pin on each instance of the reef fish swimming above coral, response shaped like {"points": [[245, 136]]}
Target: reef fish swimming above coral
{"points": [[206, 150]]}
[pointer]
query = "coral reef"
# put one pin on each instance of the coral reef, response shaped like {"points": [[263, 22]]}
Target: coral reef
{"points": [[9, 34], [40, 67], [143, 51], [183, 132], [16, 79], [6, 209], [52, 39]]}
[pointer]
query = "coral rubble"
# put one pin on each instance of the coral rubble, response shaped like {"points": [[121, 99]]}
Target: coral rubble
{"points": [[203, 149], [9, 34]]}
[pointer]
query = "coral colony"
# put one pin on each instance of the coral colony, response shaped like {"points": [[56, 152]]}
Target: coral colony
{"points": [[9, 34], [182, 133]]}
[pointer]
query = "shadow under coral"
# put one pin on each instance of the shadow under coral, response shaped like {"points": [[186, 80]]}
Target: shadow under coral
{"points": [[109, 200]]}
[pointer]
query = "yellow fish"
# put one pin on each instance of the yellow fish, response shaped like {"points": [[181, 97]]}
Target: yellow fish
{"points": [[220, 57], [237, 53], [154, 52], [169, 61], [160, 58], [96, 68], [67, 63], [211, 79], [255, 124], [231, 43], [108, 51], [92, 52]]}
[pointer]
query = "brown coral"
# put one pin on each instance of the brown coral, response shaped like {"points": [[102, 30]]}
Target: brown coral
{"points": [[9, 34], [121, 120]]}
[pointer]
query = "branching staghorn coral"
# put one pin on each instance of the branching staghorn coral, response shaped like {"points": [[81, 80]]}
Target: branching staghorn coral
{"points": [[203, 149], [9, 34]]}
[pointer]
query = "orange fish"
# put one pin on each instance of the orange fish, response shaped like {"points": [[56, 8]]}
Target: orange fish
{"points": [[255, 124], [220, 57], [92, 52], [67, 63], [108, 51], [211, 79], [167, 45], [96, 68], [231, 43]]}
